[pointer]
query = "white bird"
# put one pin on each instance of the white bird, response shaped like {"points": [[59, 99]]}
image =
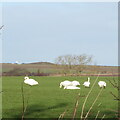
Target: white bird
{"points": [[102, 84], [71, 87], [65, 83], [87, 83], [75, 83], [30, 81], [16, 62]]}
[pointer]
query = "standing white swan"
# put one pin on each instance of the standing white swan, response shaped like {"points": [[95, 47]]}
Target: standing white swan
{"points": [[30, 81], [102, 84], [87, 83]]}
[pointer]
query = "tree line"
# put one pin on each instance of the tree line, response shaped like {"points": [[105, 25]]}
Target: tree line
{"points": [[64, 65]]}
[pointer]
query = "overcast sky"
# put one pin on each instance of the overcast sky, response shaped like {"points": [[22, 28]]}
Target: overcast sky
{"points": [[43, 31]]}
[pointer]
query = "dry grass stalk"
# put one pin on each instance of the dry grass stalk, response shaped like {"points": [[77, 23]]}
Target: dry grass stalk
{"points": [[114, 84], [103, 117], [97, 115], [76, 106], [99, 104], [88, 96], [26, 103], [93, 104], [62, 115], [116, 98], [23, 102], [27, 99]]}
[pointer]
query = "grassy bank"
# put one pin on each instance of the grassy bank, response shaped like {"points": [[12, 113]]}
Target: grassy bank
{"points": [[47, 100]]}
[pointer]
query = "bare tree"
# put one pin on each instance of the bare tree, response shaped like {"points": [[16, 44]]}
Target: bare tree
{"points": [[60, 60], [65, 61], [69, 60], [82, 61], [77, 62]]}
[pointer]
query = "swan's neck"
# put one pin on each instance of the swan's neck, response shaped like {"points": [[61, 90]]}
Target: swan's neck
{"points": [[88, 79]]}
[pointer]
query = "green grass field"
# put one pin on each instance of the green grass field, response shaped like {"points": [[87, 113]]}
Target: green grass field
{"points": [[47, 100]]}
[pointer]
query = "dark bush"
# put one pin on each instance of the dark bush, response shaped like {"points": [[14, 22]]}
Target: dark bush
{"points": [[16, 72], [23, 72]]}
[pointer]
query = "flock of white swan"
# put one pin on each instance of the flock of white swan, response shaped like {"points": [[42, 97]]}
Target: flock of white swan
{"points": [[66, 84]]}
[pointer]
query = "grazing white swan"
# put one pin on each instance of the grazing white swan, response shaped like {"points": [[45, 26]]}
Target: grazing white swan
{"points": [[75, 83], [102, 84], [30, 81], [71, 87], [65, 83], [87, 83]]}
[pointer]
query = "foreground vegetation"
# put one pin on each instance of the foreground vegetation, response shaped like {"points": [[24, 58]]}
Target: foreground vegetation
{"points": [[47, 100]]}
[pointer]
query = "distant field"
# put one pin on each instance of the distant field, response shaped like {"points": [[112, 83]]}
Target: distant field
{"points": [[47, 100], [54, 70]]}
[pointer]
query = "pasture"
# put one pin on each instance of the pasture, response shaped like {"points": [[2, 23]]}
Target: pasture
{"points": [[47, 100]]}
